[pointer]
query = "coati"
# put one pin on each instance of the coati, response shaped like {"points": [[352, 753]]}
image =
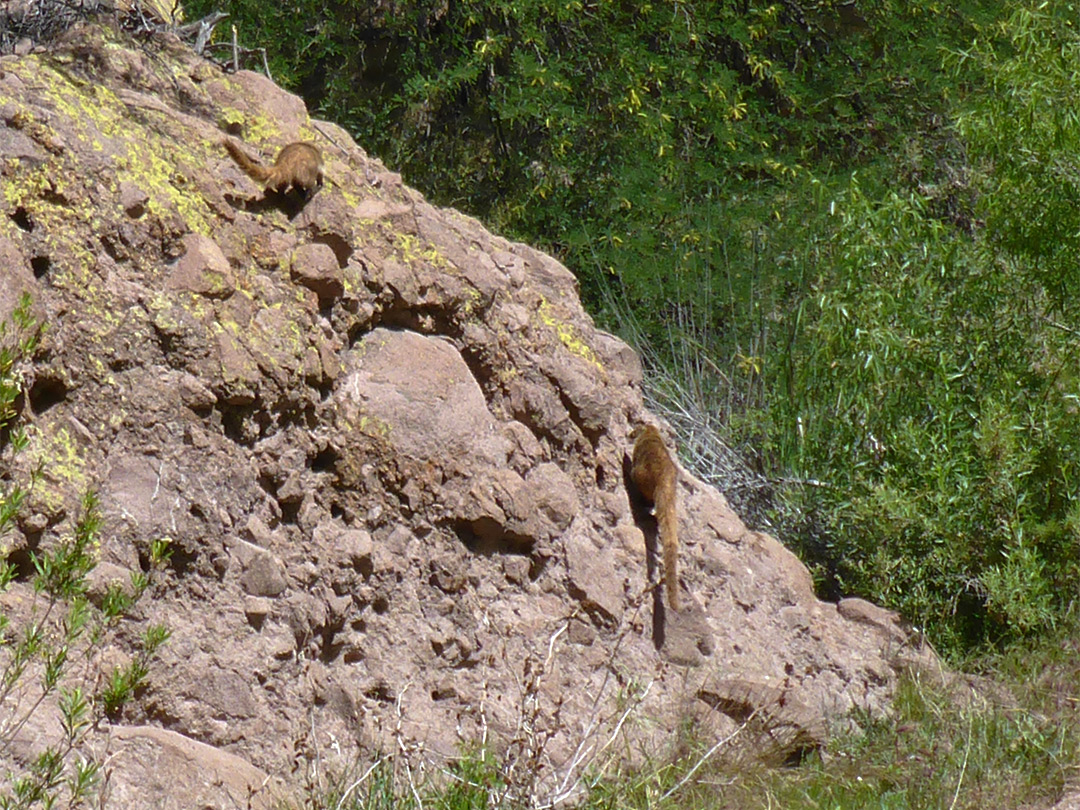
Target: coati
{"points": [[298, 166], [655, 476]]}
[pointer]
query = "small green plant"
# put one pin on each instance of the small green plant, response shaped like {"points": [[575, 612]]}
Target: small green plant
{"points": [[18, 339], [39, 659], [48, 648]]}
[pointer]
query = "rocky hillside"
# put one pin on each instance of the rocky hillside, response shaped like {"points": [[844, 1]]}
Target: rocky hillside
{"points": [[389, 450]]}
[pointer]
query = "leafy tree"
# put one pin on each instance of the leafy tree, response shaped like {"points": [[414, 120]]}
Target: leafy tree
{"points": [[916, 399], [932, 377], [1023, 128]]}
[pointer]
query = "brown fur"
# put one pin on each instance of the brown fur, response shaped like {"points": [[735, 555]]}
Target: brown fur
{"points": [[655, 476], [298, 166]]}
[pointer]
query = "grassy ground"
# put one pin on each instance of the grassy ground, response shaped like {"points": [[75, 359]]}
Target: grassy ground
{"points": [[1005, 736], [959, 748]]}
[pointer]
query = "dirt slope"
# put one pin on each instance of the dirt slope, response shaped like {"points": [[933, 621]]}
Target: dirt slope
{"points": [[389, 448]]}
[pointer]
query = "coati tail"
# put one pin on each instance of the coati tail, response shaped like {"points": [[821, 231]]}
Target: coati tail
{"points": [[256, 171], [669, 534]]}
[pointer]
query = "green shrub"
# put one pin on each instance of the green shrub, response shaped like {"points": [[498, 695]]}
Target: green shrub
{"points": [[50, 655], [928, 393], [933, 379]]}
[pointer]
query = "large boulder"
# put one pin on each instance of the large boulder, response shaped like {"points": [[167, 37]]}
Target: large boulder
{"points": [[388, 449]]}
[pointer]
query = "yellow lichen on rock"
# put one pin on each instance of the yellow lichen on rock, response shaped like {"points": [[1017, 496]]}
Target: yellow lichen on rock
{"points": [[63, 468], [567, 335]]}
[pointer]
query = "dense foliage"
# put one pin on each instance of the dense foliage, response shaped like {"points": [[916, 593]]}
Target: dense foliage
{"points": [[935, 359], [863, 217]]}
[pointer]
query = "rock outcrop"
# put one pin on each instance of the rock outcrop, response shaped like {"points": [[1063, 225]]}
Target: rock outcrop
{"points": [[389, 450]]}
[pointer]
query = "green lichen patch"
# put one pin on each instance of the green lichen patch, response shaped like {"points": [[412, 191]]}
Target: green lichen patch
{"points": [[276, 341], [156, 168], [373, 426], [230, 119], [568, 336], [64, 471], [472, 303], [56, 202], [411, 250], [240, 373], [138, 148], [256, 130]]}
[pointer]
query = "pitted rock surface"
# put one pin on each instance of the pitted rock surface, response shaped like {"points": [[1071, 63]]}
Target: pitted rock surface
{"points": [[388, 448]]}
